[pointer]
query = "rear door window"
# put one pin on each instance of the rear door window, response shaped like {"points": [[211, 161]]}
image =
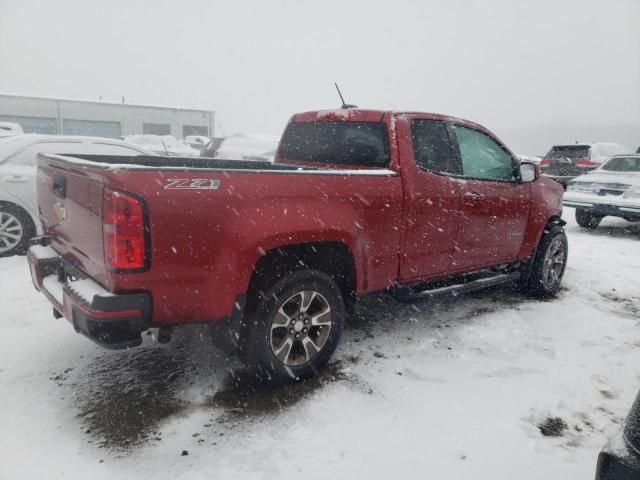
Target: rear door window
{"points": [[362, 144], [432, 147]]}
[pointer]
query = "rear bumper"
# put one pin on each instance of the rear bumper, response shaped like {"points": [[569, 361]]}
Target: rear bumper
{"points": [[110, 320]]}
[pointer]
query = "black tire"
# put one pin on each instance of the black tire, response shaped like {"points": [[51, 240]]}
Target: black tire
{"points": [[586, 219], [19, 218], [265, 349], [538, 280]]}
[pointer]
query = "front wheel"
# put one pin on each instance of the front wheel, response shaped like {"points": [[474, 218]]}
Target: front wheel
{"points": [[586, 219], [295, 326], [545, 272]]}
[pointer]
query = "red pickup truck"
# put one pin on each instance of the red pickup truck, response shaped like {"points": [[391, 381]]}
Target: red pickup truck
{"points": [[274, 255]]}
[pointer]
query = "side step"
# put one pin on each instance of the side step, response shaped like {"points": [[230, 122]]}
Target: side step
{"points": [[463, 286]]}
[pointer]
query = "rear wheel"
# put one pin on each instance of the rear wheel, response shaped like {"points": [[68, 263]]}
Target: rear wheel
{"points": [[16, 229], [295, 326], [546, 270], [586, 219]]}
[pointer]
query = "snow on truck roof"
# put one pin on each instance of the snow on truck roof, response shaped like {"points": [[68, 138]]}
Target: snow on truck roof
{"points": [[369, 115]]}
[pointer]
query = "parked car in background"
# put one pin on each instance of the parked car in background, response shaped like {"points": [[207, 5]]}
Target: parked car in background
{"points": [[18, 203], [565, 162], [613, 189], [166, 145], [8, 129], [620, 457], [197, 142], [260, 148]]}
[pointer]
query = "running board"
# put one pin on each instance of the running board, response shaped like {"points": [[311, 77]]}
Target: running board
{"points": [[459, 288]]}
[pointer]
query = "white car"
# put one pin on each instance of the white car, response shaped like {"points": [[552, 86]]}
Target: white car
{"points": [[18, 202], [613, 189], [8, 129]]}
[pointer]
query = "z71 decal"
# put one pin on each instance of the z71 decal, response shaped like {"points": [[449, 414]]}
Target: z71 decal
{"points": [[193, 184]]}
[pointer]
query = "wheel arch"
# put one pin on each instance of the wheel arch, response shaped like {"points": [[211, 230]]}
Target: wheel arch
{"points": [[331, 257], [538, 225]]}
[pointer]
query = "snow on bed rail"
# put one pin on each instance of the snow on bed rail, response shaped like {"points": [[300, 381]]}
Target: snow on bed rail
{"points": [[385, 172]]}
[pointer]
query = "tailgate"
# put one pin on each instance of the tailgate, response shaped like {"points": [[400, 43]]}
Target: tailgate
{"points": [[70, 208]]}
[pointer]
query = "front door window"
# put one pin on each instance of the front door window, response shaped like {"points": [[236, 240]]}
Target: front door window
{"points": [[482, 157]]}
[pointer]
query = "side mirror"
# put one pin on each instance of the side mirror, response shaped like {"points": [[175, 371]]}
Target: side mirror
{"points": [[528, 172]]}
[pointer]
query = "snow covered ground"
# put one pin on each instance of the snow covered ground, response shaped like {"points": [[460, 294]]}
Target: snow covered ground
{"points": [[453, 389]]}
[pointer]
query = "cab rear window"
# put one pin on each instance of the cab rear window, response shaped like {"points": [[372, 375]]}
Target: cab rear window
{"points": [[361, 144]]}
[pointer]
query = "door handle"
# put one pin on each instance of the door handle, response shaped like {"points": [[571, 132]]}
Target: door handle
{"points": [[16, 179], [474, 196]]}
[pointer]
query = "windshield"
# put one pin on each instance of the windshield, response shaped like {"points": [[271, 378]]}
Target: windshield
{"points": [[622, 164], [573, 152]]}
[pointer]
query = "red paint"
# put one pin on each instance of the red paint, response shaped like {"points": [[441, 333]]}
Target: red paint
{"points": [[412, 226]]}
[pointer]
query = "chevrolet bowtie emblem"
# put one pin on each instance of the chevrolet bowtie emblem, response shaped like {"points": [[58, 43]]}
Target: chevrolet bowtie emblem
{"points": [[59, 211]]}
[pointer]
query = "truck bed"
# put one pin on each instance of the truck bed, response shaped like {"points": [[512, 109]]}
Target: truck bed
{"points": [[209, 221]]}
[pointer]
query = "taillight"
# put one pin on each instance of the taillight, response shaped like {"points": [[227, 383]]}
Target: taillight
{"points": [[123, 217], [545, 163], [586, 164]]}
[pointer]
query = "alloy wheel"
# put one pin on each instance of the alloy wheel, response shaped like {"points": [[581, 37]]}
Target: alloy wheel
{"points": [[554, 261], [300, 328], [11, 232]]}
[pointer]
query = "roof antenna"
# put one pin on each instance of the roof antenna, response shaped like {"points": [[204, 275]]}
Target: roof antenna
{"points": [[344, 105]]}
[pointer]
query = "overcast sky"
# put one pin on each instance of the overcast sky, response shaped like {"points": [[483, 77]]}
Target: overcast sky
{"points": [[532, 71]]}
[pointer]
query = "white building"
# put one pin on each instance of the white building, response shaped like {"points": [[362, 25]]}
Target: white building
{"points": [[103, 119]]}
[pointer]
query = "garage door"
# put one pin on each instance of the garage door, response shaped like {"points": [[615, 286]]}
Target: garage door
{"points": [[42, 125], [194, 130], [91, 128]]}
